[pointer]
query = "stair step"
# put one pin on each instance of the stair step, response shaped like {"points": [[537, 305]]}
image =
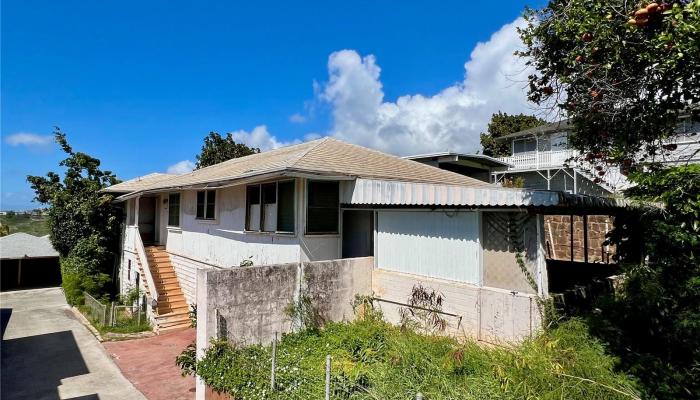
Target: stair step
{"points": [[172, 317], [175, 328]]}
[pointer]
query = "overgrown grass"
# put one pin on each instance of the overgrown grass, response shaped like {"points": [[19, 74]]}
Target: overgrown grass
{"points": [[124, 325], [36, 225], [374, 360]]}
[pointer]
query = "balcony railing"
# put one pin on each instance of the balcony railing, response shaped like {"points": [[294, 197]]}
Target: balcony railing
{"points": [[538, 159]]}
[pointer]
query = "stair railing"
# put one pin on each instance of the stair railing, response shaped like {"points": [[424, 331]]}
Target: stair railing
{"points": [[141, 251]]}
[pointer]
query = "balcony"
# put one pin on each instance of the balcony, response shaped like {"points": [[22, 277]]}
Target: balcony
{"points": [[533, 160]]}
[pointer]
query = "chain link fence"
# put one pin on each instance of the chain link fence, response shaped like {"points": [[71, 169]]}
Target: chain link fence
{"points": [[113, 315]]}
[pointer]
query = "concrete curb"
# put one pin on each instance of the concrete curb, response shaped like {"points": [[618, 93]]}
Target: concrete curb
{"points": [[87, 324]]}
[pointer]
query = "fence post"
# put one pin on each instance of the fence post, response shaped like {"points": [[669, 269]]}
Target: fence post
{"points": [[274, 363], [112, 316], [104, 314], [419, 396], [328, 377]]}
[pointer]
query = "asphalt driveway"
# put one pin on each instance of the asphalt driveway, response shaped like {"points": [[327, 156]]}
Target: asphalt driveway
{"points": [[48, 354]]}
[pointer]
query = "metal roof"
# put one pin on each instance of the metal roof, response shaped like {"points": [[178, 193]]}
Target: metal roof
{"points": [[24, 245]]}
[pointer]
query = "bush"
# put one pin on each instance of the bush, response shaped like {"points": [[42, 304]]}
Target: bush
{"points": [[81, 270], [372, 359]]}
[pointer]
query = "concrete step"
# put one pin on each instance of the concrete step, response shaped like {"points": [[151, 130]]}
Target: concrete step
{"points": [[180, 327]]}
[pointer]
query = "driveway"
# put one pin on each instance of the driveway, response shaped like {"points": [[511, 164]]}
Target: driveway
{"points": [[48, 354]]}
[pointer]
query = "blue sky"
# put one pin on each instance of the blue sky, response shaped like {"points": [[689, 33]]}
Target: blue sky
{"points": [[139, 84]]}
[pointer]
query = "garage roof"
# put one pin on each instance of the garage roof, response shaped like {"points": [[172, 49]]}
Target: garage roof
{"points": [[24, 245]]}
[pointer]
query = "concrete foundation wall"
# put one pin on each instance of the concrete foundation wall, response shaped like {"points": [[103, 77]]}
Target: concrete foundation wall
{"points": [[483, 313]]}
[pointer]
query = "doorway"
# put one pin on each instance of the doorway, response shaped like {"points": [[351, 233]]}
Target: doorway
{"points": [[358, 233], [147, 219]]}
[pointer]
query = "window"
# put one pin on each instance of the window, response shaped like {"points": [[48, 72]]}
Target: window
{"points": [[174, 209], [128, 271], [131, 211], [270, 207], [524, 145], [323, 207], [206, 204]]}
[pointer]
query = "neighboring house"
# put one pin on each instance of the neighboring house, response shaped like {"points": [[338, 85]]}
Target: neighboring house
{"points": [[28, 261], [477, 166], [543, 158], [297, 207]]}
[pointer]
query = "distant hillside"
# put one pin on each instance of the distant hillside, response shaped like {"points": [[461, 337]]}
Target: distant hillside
{"points": [[33, 224]]}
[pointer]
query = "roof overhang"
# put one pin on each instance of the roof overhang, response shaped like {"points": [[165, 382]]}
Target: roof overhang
{"points": [[468, 160]]}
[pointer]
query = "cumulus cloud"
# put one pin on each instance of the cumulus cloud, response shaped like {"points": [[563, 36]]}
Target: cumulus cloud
{"points": [[449, 120], [28, 139], [259, 137], [297, 118], [181, 167]]}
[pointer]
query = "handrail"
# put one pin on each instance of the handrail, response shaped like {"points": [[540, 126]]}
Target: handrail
{"points": [[538, 159], [141, 251]]}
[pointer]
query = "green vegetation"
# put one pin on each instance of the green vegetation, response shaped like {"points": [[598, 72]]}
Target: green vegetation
{"points": [[84, 225], [36, 225], [217, 149], [374, 360], [502, 124]]}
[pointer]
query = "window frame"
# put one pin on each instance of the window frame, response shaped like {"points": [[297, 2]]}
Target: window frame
{"points": [[179, 209], [205, 217], [261, 216], [306, 210]]}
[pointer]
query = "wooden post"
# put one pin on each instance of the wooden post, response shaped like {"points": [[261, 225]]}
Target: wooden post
{"points": [[274, 362], [571, 236]]}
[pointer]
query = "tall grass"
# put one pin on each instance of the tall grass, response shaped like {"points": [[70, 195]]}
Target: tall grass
{"points": [[374, 360]]}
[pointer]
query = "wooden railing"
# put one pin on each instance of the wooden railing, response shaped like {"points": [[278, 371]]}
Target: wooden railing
{"points": [[141, 251], [538, 159]]}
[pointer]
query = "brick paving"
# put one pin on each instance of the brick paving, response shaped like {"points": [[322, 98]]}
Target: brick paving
{"points": [[150, 364]]}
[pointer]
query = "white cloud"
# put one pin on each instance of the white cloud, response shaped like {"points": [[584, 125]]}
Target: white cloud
{"points": [[449, 120], [28, 139], [181, 167], [297, 118], [259, 137]]}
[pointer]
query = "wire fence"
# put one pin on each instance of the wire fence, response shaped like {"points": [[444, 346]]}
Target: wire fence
{"points": [[112, 315]]}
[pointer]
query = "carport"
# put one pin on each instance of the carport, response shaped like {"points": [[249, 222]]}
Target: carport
{"points": [[28, 261]]}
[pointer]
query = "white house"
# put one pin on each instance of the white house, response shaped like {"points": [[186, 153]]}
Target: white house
{"points": [[543, 158], [329, 200]]}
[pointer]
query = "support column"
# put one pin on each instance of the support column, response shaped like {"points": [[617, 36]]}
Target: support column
{"points": [[136, 210]]}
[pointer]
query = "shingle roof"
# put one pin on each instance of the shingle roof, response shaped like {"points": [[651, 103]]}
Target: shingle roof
{"points": [[138, 183], [326, 156], [24, 245]]}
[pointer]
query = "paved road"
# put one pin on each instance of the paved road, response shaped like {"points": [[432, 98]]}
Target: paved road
{"points": [[48, 354]]}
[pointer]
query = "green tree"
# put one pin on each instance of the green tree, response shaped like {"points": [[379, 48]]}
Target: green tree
{"points": [[622, 71], [84, 224], [503, 124], [217, 149], [4, 230]]}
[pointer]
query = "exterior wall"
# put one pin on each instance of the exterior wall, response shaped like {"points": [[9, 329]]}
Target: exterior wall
{"points": [[482, 313], [559, 242], [186, 272]]}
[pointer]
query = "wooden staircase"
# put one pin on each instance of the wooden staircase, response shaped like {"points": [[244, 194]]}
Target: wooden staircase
{"points": [[172, 312]]}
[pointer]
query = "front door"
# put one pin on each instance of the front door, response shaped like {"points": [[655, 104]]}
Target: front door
{"points": [[358, 233], [147, 219]]}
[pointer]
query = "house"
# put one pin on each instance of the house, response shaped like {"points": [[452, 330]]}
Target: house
{"points": [[335, 219], [477, 166], [543, 158], [28, 261]]}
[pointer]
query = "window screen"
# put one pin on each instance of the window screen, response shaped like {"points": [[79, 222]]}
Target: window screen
{"points": [[270, 207], [285, 206], [323, 206], [174, 209], [253, 208], [524, 145], [269, 201]]}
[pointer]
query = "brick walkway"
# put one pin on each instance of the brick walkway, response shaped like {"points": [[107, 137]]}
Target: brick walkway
{"points": [[150, 364]]}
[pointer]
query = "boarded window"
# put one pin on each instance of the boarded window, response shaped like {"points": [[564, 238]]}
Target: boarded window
{"points": [[270, 207], [323, 207], [206, 204], [174, 209]]}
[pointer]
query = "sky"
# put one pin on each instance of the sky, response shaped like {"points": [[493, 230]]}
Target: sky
{"points": [[140, 84]]}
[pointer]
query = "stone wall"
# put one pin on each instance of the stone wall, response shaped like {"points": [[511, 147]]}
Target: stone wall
{"points": [[558, 240]]}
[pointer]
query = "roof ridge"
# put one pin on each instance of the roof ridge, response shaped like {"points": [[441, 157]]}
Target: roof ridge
{"points": [[302, 155]]}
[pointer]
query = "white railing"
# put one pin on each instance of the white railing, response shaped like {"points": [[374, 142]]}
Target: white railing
{"points": [[141, 251], [538, 159]]}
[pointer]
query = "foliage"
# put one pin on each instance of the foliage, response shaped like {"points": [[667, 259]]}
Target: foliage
{"points": [[374, 360], [131, 296], [654, 326], [217, 149], [364, 308], [187, 360], [516, 182], [424, 312], [246, 262], [622, 79], [84, 225], [503, 124], [193, 315], [304, 314], [4, 230], [33, 225]]}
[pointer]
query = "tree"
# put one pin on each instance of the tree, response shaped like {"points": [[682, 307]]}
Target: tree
{"points": [[217, 149], [503, 124], [622, 71], [84, 224]]}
